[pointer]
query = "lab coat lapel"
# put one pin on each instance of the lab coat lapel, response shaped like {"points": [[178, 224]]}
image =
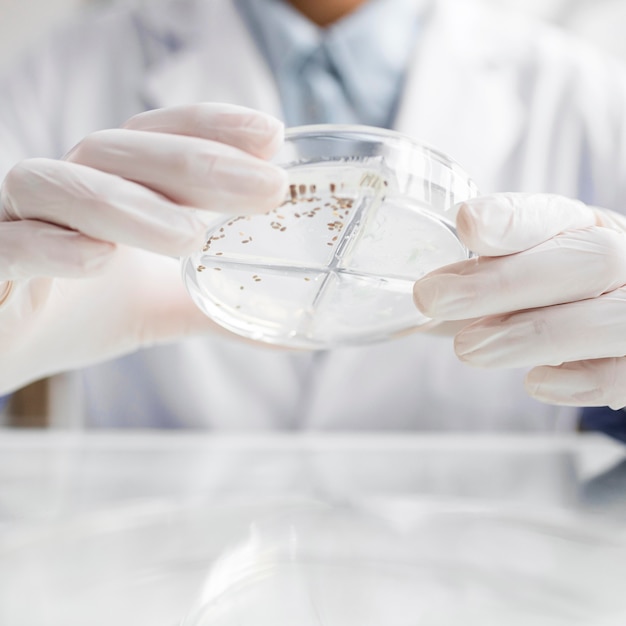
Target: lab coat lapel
{"points": [[460, 95], [222, 64]]}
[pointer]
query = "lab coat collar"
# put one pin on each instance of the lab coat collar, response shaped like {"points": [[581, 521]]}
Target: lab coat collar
{"points": [[469, 81]]}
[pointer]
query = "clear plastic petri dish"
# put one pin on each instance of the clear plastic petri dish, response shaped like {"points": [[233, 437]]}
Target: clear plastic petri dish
{"points": [[368, 212]]}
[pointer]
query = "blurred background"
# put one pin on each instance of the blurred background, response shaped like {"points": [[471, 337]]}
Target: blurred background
{"points": [[602, 22]]}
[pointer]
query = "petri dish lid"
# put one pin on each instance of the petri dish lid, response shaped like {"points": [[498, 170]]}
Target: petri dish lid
{"points": [[368, 212]]}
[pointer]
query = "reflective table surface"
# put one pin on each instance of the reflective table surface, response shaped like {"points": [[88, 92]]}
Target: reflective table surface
{"points": [[193, 529]]}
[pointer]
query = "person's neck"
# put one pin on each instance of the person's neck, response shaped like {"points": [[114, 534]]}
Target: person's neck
{"points": [[325, 12]]}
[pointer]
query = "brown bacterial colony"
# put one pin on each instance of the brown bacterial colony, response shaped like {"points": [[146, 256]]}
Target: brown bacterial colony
{"points": [[298, 194]]}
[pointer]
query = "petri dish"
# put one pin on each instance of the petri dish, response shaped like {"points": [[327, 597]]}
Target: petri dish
{"points": [[368, 212]]}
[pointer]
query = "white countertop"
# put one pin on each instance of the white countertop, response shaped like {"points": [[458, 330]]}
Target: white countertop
{"points": [[98, 524], [54, 474]]}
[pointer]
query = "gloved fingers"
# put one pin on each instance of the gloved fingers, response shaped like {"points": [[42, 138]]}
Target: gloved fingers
{"points": [[30, 248], [443, 329], [158, 308], [573, 265], [190, 171], [249, 130], [595, 382], [609, 219], [506, 223], [588, 329], [6, 289], [99, 205]]}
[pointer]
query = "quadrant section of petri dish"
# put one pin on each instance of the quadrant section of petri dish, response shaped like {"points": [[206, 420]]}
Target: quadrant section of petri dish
{"points": [[260, 302], [352, 308], [399, 238], [306, 229]]}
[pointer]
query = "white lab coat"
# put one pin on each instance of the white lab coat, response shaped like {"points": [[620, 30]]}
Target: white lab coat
{"points": [[520, 107]]}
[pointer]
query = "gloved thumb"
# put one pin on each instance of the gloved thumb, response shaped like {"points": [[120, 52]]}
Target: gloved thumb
{"points": [[507, 223]]}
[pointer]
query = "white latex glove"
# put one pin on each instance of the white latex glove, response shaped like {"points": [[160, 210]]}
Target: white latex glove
{"points": [[548, 290], [89, 244]]}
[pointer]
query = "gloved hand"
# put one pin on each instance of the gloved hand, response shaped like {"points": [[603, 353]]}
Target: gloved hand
{"points": [[88, 244], [548, 290]]}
